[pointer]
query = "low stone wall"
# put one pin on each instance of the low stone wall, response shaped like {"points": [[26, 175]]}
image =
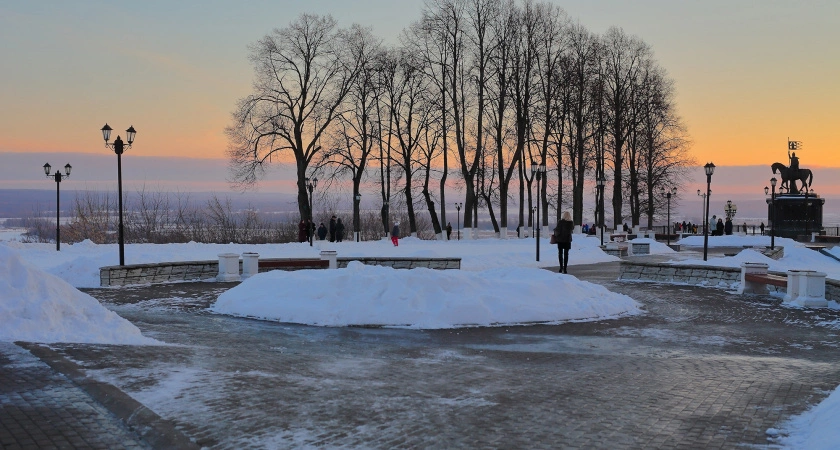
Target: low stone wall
{"points": [[688, 274], [166, 272], [405, 263], [700, 275]]}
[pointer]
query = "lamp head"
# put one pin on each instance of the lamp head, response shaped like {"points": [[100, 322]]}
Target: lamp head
{"points": [[47, 168], [67, 169], [106, 133], [766, 190], [709, 168], [129, 134], [773, 182]]}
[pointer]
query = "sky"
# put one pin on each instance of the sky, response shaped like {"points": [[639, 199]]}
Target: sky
{"points": [[749, 75]]}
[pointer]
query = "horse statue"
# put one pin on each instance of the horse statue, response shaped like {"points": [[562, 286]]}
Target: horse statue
{"points": [[803, 175]]}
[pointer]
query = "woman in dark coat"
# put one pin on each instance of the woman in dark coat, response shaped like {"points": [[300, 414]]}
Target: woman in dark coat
{"points": [[339, 231], [322, 232], [719, 227], [302, 231], [563, 238]]}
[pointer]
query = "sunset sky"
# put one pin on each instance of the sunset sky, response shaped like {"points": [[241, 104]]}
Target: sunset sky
{"points": [[749, 74]]}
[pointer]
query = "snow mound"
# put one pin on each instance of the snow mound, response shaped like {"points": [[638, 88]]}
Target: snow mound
{"points": [[421, 298], [38, 307], [817, 428]]}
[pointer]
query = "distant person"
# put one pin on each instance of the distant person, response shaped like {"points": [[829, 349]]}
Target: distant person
{"points": [[563, 238], [745, 228], [761, 227], [449, 230], [339, 231], [395, 234], [585, 229], [302, 231], [719, 227], [332, 229], [727, 227], [322, 232], [712, 225], [625, 228]]}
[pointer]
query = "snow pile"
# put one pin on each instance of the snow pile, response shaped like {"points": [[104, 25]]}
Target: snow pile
{"points": [[817, 428], [421, 298], [39, 307], [734, 240]]}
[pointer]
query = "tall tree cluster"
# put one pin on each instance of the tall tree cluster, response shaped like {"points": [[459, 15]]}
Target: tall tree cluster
{"points": [[481, 91]]}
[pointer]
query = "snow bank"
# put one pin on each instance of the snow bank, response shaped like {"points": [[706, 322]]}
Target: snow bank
{"points": [[816, 429], [39, 307], [421, 298]]}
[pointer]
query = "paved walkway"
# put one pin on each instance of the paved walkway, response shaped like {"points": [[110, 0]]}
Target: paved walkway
{"points": [[702, 369]]}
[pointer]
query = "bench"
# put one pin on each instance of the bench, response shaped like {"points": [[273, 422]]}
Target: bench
{"points": [[619, 249], [618, 237], [803, 287], [292, 264]]}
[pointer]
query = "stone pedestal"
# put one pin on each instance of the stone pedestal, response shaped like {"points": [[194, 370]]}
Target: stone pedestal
{"points": [[250, 264], [792, 216], [331, 256], [748, 287], [228, 267]]}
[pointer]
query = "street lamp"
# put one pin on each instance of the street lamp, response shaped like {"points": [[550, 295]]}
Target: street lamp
{"points": [[119, 147], [710, 170], [537, 171], [601, 184], [356, 225], [667, 194], [702, 207], [730, 209], [773, 182], [311, 184], [57, 176], [458, 208]]}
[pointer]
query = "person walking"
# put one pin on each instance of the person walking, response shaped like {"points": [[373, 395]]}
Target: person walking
{"points": [[302, 231], [563, 239], [395, 234], [448, 230], [761, 227], [339, 231], [332, 229], [322, 232]]}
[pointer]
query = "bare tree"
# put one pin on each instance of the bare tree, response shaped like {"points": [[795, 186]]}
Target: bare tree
{"points": [[303, 72]]}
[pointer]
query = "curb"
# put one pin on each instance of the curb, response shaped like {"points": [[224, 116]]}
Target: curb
{"points": [[150, 427]]}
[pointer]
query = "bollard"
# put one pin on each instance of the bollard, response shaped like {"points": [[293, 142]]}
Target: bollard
{"points": [[228, 267], [748, 287], [795, 285], [812, 290], [330, 255], [250, 264]]}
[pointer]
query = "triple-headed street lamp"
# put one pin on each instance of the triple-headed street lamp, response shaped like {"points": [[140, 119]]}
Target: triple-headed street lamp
{"points": [[772, 193], [311, 184], [538, 170], [730, 209], [119, 147], [667, 194], [458, 207], [601, 181], [58, 176], [710, 170]]}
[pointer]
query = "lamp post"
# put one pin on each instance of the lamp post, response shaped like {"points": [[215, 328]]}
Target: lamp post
{"points": [[702, 207], [311, 184], [730, 209], [458, 208], [537, 170], [356, 225], [601, 184], [773, 182], [58, 177], [119, 147], [710, 170], [667, 194], [534, 222]]}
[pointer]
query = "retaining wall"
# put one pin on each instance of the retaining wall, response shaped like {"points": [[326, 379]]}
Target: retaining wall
{"points": [[700, 275], [202, 270]]}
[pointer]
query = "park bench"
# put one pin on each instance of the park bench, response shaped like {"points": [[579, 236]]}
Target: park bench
{"points": [[618, 237], [802, 287], [825, 238], [292, 264]]}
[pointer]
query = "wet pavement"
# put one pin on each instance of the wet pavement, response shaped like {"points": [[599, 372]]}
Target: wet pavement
{"points": [[702, 368]]}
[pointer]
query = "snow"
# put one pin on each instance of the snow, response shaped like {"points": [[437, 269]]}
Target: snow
{"points": [[39, 307], [421, 298], [816, 429]]}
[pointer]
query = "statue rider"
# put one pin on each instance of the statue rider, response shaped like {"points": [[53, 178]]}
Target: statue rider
{"points": [[794, 162]]}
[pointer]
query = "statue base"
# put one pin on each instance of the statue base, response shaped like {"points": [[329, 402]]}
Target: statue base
{"points": [[792, 216]]}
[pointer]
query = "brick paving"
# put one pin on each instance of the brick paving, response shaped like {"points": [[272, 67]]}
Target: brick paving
{"points": [[703, 368]]}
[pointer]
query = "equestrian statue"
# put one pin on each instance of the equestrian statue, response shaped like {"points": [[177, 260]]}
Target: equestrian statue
{"points": [[790, 175]]}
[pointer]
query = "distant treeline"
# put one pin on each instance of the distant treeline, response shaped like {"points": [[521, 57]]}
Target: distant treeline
{"points": [[164, 217]]}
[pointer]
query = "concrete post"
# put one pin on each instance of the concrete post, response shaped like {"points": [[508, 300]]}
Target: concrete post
{"points": [[250, 264], [228, 267], [795, 285], [812, 292], [749, 287], [331, 256]]}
